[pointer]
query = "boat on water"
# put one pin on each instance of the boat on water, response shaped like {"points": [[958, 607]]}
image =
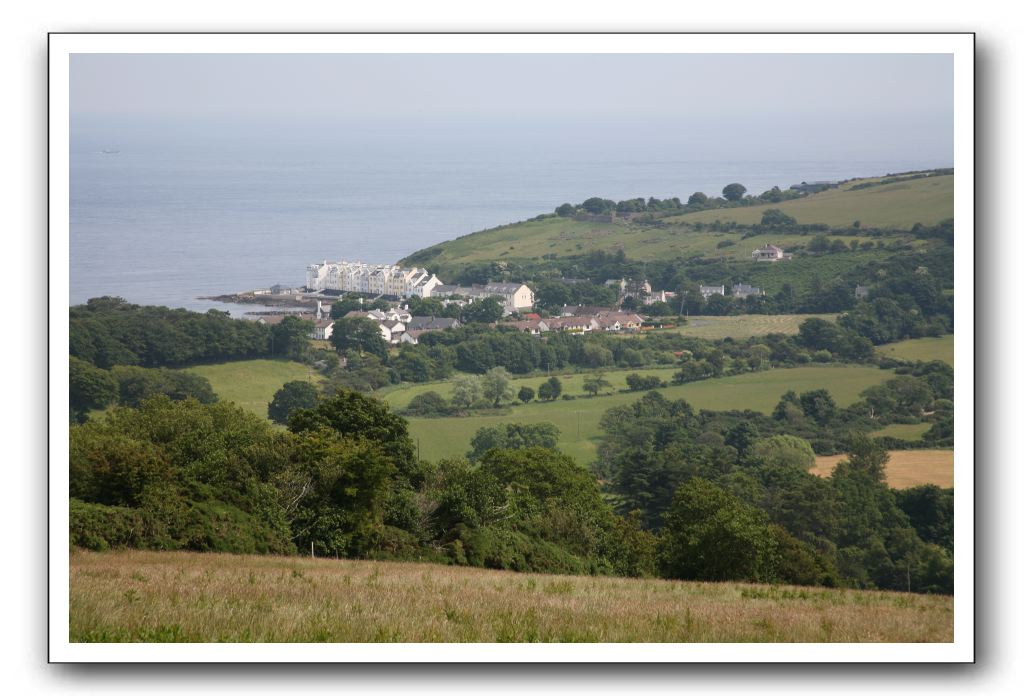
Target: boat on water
{"points": [[110, 152]]}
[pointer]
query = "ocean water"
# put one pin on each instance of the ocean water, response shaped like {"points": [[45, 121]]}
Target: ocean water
{"points": [[167, 225]]}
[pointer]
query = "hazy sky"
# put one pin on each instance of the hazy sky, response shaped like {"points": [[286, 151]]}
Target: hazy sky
{"points": [[740, 106]]}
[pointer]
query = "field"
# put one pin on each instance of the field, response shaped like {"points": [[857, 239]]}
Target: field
{"points": [[145, 596], [907, 468], [941, 348], [579, 419], [897, 205], [252, 383], [903, 431], [744, 325]]}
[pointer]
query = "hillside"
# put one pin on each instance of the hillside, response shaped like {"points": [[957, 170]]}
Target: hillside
{"points": [[145, 596], [890, 208]]}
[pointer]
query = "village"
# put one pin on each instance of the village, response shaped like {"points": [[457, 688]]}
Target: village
{"points": [[326, 282]]}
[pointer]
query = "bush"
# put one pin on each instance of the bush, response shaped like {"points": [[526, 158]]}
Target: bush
{"points": [[428, 404]]}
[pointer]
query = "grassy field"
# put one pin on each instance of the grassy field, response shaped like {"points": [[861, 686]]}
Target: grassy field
{"points": [[903, 431], [744, 325], [899, 205], [906, 468], [941, 348], [252, 383], [579, 419], [145, 596]]}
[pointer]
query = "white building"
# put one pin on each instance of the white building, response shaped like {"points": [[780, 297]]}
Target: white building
{"points": [[370, 279], [708, 290], [768, 252], [514, 296]]}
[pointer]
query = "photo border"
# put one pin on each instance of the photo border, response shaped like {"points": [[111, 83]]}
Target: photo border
{"points": [[62, 44]]}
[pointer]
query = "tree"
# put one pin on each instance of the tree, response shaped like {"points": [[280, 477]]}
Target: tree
{"points": [[773, 217], [485, 311], [496, 384], [354, 415], [467, 391], [513, 436], [291, 337], [595, 383], [91, 388], [596, 356], [360, 335], [712, 535], [742, 437], [343, 305], [526, 394], [427, 404], [697, 198], [550, 390], [292, 396], [785, 451], [598, 205], [565, 210], [818, 405], [733, 192]]}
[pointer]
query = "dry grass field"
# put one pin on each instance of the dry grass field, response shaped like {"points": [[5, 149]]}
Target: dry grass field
{"points": [[144, 596], [906, 468]]}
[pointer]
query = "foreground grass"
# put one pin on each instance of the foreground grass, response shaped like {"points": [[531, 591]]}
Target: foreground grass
{"points": [[144, 596], [579, 419], [906, 468], [927, 349], [252, 383]]}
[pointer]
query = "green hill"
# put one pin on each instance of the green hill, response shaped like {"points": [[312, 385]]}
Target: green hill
{"points": [[893, 207]]}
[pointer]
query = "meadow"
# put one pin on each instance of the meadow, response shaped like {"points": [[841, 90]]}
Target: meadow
{"points": [[897, 205], [144, 596], [252, 384], [742, 326], [579, 419], [931, 348], [906, 468]]}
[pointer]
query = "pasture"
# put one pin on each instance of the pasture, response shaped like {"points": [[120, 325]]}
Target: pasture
{"points": [[897, 205], [579, 419], [252, 384], [170, 596], [906, 468], [903, 431], [930, 348], [743, 325]]}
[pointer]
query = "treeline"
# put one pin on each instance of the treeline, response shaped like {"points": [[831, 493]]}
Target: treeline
{"points": [[731, 497], [342, 480], [694, 499], [93, 388], [109, 331]]}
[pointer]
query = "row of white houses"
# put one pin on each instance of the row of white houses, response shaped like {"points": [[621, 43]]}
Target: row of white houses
{"points": [[370, 279]]}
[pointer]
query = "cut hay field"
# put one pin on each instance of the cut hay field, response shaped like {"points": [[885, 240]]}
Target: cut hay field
{"points": [[906, 468], [252, 383], [897, 205], [940, 348], [146, 596], [579, 419], [743, 325]]}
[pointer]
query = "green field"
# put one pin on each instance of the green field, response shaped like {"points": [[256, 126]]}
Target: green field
{"points": [[898, 205], [903, 431], [743, 325], [926, 349], [252, 383], [173, 596], [579, 419]]}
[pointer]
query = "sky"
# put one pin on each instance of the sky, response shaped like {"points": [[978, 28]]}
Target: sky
{"points": [[713, 106]]}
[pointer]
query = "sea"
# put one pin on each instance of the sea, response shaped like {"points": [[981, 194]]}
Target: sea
{"points": [[166, 226]]}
